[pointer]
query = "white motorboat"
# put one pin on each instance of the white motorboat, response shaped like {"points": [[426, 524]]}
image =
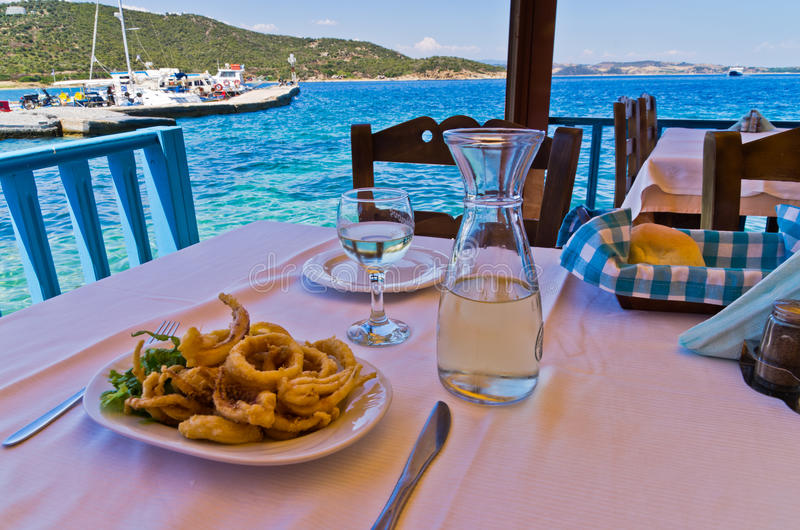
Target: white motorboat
{"points": [[230, 79]]}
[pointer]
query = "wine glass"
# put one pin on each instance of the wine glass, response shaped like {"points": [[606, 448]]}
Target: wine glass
{"points": [[375, 227]]}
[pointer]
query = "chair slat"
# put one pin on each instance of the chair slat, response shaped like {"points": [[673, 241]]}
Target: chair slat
{"points": [[129, 202], [26, 216], [564, 154], [727, 161], [77, 181], [171, 204], [635, 134], [405, 143]]}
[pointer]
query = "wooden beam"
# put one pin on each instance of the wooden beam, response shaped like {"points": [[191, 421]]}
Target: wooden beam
{"points": [[530, 62]]}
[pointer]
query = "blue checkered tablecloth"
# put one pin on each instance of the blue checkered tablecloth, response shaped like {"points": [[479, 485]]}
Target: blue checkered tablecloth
{"points": [[598, 252]]}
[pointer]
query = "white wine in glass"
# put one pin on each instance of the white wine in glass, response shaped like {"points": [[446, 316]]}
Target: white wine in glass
{"points": [[375, 227]]}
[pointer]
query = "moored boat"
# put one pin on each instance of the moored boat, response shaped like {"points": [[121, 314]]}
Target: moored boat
{"points": [[230, 79]]}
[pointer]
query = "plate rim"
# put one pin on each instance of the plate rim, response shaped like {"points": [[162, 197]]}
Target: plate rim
{"points": [[326, 280], [124, 425]]}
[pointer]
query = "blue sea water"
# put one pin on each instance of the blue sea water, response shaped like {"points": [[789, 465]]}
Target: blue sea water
{"points": [[291, 163]]}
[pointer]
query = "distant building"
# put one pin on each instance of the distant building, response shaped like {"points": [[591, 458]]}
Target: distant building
{"points": [[15, 10]]}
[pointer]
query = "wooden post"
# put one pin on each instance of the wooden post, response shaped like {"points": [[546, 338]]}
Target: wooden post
{"points": [[26, 217], [530, 62], [77, 180], [129, 202], [169, 190]]}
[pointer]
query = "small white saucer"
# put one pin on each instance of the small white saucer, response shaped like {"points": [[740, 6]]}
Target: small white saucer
{"points": [[419, 268]]}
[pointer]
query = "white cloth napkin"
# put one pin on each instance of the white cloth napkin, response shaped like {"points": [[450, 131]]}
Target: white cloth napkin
{"points": [[723, 334], [752, 122]]}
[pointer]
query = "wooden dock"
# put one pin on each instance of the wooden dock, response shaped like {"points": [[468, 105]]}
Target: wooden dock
{"points": [[61, 121]]}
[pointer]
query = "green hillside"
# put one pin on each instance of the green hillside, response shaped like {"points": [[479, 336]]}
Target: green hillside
{"points": [[56, 35]]}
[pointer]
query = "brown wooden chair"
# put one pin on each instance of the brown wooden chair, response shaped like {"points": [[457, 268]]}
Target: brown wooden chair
{"points": [[545, 200], [648, 125], [627, 159], [727, 161]]}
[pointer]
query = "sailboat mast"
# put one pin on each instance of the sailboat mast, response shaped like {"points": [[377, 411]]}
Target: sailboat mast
{"points": [[125, 41], [94, 37]]}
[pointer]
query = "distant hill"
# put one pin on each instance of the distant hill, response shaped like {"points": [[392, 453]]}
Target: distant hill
{"points": [[657, 68], [56, 35]]}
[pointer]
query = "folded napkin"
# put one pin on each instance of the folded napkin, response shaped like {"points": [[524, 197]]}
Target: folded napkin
{"points": [[575, 218], [752, 122], [723, 334]]}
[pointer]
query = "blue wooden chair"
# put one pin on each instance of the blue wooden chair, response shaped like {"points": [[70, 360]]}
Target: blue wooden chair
{"points": [[166, 176]]}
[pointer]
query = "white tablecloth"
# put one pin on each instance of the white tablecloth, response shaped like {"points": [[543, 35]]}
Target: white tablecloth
{"points": [[671, 179], [624, 429]]}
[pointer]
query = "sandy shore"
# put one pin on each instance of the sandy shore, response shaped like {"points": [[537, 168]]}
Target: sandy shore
{"points": [[10, 85]]}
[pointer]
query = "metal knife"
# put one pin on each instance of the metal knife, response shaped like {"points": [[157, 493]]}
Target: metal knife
{"points": [[428, 445], [44, 420]]}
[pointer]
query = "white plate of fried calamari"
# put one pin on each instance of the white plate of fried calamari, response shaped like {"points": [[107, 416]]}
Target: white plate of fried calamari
{"points": [[418, 269], [251, 394]]}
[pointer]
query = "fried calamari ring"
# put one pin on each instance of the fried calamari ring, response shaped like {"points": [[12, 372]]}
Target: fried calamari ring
{"points": [[243, 405], [196, 383], [219, 429], [262, 328], [262, 361], [338, 350], [212, 348], [317, 363]]}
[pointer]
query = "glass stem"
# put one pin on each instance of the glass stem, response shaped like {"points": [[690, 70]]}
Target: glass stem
{"points": [[376, 280]]}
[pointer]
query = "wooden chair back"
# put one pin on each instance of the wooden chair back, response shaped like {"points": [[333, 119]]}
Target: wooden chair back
{"points": [[727, 161], [648, 125], [627, 133], [549, 198]]}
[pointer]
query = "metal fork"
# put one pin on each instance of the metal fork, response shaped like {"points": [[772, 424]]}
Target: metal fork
{"points": [[168, 327]]}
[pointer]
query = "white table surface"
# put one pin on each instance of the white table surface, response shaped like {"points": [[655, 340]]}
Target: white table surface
{"points": [[671, 179], [624, 430]]}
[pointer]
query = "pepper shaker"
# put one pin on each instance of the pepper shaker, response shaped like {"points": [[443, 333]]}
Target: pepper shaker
{"points": [[777, 363]]}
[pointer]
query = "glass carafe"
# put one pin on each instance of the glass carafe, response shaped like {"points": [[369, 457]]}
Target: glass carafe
{"points": [[489, 332]]}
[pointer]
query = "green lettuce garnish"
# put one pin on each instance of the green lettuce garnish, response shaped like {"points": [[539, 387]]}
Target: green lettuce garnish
{"points": [[152, 359]]}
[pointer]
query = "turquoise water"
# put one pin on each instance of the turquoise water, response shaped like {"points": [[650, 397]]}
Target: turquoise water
{"points": [[291, 163]]}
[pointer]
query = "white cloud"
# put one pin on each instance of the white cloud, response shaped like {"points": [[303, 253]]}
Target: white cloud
{"points": [[764, 46], [261, 28], [683, 54], [264, 28], [325, 22], [429, 46], [783, 45], [136, 8], [587, 51]]}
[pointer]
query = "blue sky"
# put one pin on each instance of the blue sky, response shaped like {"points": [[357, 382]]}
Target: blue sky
{"points": [[756, 32]]}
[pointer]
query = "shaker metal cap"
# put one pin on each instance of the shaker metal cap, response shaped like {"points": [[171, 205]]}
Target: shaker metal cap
{"points": [[787, 310]]}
